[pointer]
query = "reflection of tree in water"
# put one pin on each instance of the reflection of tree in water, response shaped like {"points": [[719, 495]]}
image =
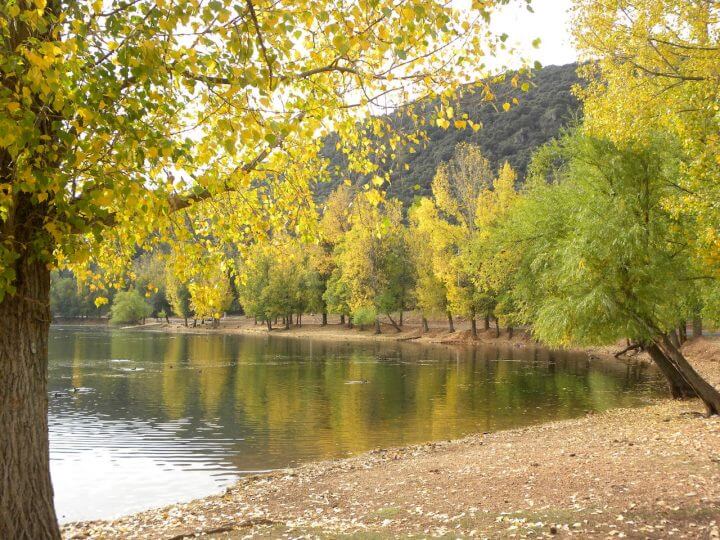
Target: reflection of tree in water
{"points": [[284, 400]]}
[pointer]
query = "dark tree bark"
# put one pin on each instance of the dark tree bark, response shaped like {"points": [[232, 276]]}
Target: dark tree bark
{"points": [[497, 328], [674, 338], [487, 322], [473, 327], [682, 332], [697, 329], [324, 319], [402, 311], [287, 320], [26, 494], [342, 318], [425, 325], [679, 388], [451, 326], [704, 390], [377, 326], [268, 322], [510, 331], [186, 322]]}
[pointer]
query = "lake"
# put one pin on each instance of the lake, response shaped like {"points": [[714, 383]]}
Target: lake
{"points": [[141, 419]]}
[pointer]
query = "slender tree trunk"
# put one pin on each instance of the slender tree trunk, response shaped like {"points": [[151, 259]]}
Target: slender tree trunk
{"points": [[510, 331], [377, 326], [451, 326], [397, 327], [186, 322], [473, 327], [342, 318], [697, 329], [497, 328], [26, 494], [682, 332], [268, 322], [674, 338], [194, 323], [679, 388], [425, 325], [288, 320], [402, 311], [704, 390], [324, 319], [487, 322]]}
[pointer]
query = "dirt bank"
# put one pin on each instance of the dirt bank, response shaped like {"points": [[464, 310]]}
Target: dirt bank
{"points": [[334, 331], [652, 472]]}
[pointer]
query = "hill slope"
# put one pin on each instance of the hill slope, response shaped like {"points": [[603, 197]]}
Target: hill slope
{"points": [[506, 136]]}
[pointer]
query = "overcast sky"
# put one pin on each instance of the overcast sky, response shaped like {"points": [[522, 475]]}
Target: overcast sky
{"points": [[550, 23]]}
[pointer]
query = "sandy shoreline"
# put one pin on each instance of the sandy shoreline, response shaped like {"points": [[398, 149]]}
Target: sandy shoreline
{"points": [[652, 472]]}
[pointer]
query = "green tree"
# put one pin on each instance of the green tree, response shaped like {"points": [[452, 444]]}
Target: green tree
{"points": [[602, 257], [129, 307]]}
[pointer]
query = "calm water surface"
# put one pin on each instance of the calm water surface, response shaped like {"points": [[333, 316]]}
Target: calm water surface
{"points": [[160, 418]]}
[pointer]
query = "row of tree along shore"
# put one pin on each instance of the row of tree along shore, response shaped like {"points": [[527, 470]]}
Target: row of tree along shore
{"points": [[587, 252]]}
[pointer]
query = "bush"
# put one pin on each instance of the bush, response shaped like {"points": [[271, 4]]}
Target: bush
{"points": [[129, 307], [364, 315]]}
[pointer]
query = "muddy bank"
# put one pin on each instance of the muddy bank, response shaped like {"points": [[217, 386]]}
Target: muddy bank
{"points": [[652, 472]]}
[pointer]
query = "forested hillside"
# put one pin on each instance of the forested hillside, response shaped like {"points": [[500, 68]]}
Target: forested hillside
{"points": [[505, 136]]}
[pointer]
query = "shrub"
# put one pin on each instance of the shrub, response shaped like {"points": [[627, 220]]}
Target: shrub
{"points": [[129, 307]]}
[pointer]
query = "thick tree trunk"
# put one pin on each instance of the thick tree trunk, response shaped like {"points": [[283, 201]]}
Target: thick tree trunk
{"points": [[451, 326], [186, 323], [704, 390], [679, 388], [324, 319], [288, 321], [26, 494], [425, 326], [268, 322], [697, 329], [342, 318], [473, 327], [377, 326]]}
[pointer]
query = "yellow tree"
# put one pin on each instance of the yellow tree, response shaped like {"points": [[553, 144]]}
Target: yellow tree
{"points": [[655, 67], [120, 118], [457, 188]]}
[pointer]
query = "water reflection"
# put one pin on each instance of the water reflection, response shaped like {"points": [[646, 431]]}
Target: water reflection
{"points": [[161, 418]]}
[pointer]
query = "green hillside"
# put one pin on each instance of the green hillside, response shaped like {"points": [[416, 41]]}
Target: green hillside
{"points": [[506, 136]]}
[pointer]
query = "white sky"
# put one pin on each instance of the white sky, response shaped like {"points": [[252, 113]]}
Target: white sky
{"points": [[550, 22]]}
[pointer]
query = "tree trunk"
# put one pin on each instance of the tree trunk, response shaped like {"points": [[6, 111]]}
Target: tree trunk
{"points": [[268, 322], [679, 388], [397, 327], [682, 332], [704, 390], [377, 326], [324, 319], [288, 321], [401, 317], [186, 323], [487, 322], [451, 326], [342, 318], [674, 339], [194, 323], [510, 332], [473, 327], [697, 329], [26, 494], [425, 325], [497, 328]]}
